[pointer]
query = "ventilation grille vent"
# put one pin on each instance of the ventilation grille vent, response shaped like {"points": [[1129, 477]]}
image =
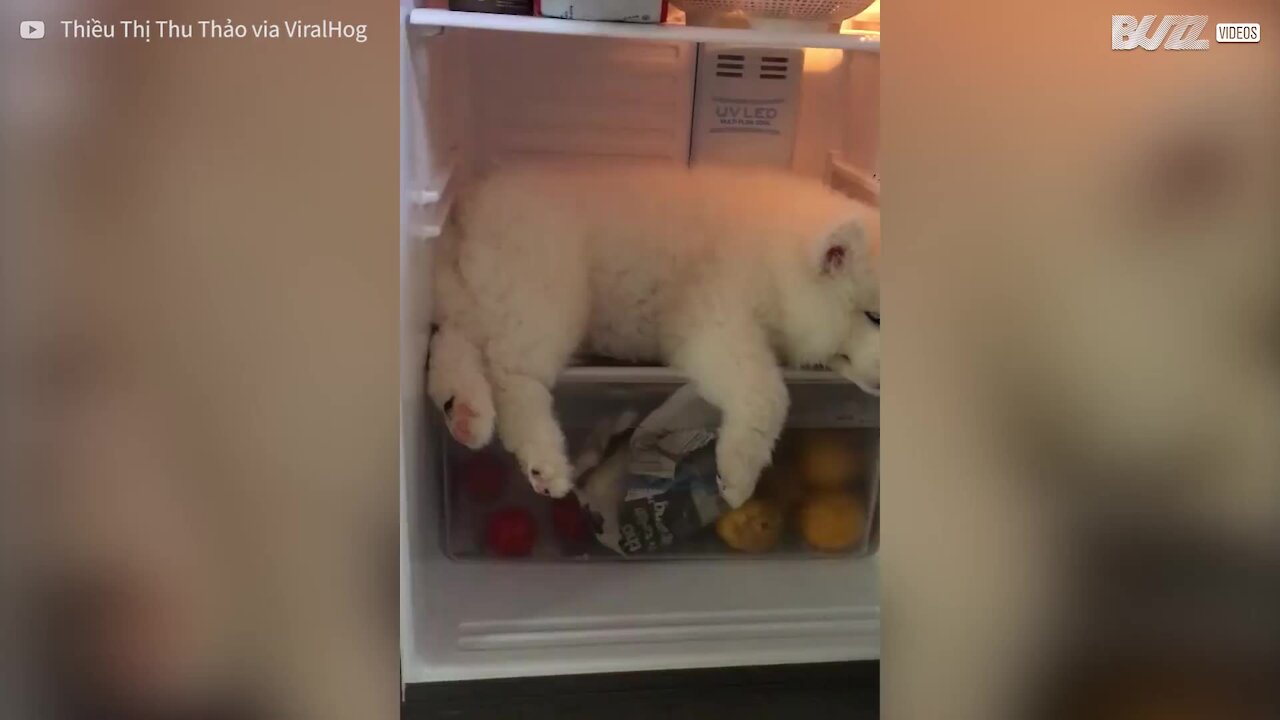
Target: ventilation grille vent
{"points": [[771, 67], [730, 65], [774, 68]]}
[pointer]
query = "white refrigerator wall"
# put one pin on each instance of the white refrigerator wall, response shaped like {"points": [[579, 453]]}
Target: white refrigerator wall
{"points": [[500, 96], [549, 97], [471, 99]]}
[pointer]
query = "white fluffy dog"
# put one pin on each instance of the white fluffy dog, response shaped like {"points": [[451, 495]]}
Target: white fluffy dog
{"points": [[720, 273]]}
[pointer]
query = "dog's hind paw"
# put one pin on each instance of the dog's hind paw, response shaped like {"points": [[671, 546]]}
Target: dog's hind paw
{"points": [[468, 424]]}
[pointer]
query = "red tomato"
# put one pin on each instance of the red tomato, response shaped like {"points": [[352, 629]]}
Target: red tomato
{"points": [[570, 520], [484, 478], [511, 532]]}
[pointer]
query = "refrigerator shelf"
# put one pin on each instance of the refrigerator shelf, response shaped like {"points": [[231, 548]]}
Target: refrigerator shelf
{"points": [[605, 372], [433, 21]]}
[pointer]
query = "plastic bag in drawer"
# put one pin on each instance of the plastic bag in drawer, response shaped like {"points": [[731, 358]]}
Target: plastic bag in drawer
{"points": [[649, 486]]}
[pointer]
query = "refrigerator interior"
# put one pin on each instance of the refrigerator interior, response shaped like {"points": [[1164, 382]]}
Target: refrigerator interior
{"points": [[474, 98]]}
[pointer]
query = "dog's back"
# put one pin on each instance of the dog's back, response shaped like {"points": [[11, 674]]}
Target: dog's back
{"points": [[620, 247]]}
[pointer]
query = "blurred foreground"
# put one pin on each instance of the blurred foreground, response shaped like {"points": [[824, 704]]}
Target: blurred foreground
{"points": [[1082, 418], [199, 307]]}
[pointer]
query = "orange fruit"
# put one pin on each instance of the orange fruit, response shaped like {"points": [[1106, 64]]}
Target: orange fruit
{"points": [[755, 527], [832, 521], [828, 460]]}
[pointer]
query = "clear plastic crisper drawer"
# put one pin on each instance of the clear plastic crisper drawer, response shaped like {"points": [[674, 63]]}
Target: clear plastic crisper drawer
{"points": [[818, 499]]}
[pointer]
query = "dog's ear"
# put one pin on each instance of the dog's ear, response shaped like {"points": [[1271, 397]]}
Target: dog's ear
{"points": [[850, 249], [838, 251], [835, 258]]}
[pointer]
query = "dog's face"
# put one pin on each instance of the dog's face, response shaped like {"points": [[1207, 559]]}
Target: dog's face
{"points": [[850, 260], [859, 358]]}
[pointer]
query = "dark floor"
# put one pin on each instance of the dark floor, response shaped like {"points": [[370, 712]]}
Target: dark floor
{"points": [[849, 691]]}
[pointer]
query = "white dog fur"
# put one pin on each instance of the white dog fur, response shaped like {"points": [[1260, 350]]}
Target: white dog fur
{"points": [[720, 273]]}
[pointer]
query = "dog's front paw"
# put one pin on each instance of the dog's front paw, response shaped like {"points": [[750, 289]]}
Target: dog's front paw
{"points": [[552, 483], [735, 493], [738, 466], [549, 472], [469, 423]]}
